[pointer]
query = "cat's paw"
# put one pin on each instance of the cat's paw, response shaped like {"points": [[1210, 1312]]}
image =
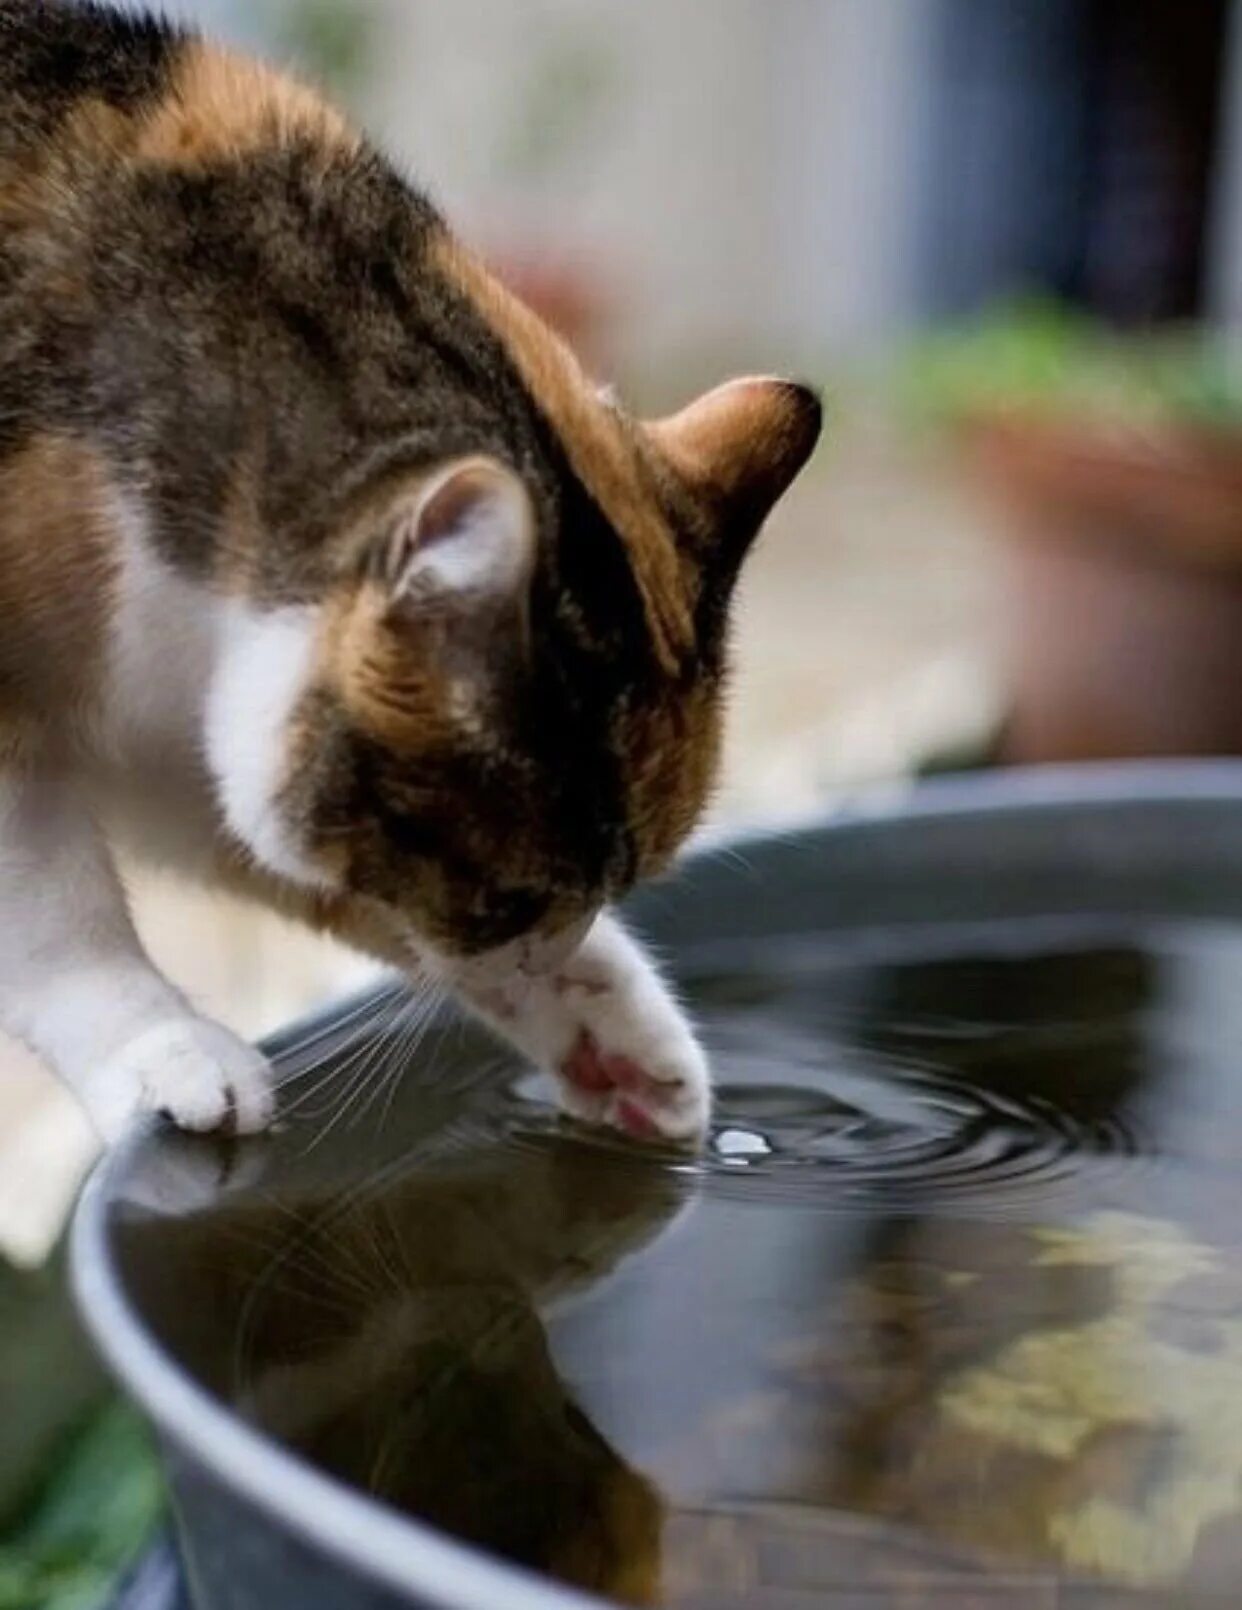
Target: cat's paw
{"points": [[654, 1095], [196, 1072], [631, 1060], [605, 1023]]}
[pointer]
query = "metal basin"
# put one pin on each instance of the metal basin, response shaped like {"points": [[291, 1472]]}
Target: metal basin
{"points": [[951, 1031]]}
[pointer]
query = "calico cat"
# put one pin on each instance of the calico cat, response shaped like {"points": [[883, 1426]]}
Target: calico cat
{"points": [[328, 576]]}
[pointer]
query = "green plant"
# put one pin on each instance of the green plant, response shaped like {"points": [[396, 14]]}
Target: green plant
{"points": [[91, 1520], [1039, 358]]}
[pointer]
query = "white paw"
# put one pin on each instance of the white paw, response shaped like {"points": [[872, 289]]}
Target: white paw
{"points": [[604, 1022], [661, 1099], [195, 1071], [633, 1063]]}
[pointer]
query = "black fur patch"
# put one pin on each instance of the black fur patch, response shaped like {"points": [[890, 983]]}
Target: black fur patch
{"points": [[53, 54]]}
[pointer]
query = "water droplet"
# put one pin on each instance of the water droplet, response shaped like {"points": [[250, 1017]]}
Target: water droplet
{"points": [[736, 1145]]}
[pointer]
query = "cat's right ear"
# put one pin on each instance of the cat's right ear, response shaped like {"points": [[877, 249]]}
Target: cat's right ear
{"points": [[466, 542]]}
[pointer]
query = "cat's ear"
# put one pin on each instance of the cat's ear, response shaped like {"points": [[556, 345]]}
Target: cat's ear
{"points": [[739, 447], [466, 539]]}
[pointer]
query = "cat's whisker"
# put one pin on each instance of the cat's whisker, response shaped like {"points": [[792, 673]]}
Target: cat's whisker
{"points": [[335, 1085], [405, 1052], [384, 1240], [373, 1062], [363, 1023], [323, 1275], [390, 1076], [329, 1074], [347, 1099], [359, 1020], [335, 1295], [333, 1067], [300, 1268]]}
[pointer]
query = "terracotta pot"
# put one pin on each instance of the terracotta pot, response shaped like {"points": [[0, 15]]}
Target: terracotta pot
{"points": [[1124, 587]]}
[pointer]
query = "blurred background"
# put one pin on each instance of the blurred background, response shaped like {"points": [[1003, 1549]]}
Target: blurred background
{"points": [[1007, 241]]}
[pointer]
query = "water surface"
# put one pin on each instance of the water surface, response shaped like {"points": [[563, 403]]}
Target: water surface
{"points": [[951, 1309]]}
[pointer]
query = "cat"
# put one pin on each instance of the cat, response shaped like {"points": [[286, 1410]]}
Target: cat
{"points": [[327, 576]]}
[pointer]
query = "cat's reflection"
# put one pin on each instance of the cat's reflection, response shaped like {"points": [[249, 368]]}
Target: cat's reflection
{"points": [[393, 1335]]}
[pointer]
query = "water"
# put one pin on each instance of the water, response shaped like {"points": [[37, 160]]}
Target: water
{"points": [[951, 1308]]}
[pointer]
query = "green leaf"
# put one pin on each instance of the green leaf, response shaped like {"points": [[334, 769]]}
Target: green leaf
{"points": [[92, 1520], [1037, 357]]}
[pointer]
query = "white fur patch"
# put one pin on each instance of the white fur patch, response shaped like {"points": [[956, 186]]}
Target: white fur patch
{"points": [[144, 765], [161, 649], [262, 665]]}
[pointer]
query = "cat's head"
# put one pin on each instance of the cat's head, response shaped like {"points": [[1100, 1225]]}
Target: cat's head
{"points": [[507, 708]]}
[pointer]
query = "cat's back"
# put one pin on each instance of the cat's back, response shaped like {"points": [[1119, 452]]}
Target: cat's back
{"points": [[56, 56], [151, 183], [139, 93], [125, 142]]}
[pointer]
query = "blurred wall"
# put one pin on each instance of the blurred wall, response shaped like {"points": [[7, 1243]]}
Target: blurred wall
{"points": [[737, 176], [753, 183]]}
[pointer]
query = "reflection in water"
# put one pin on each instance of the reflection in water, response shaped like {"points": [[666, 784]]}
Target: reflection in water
{"points": [[391, 1332], [1124, 1397], [954, 1303]]}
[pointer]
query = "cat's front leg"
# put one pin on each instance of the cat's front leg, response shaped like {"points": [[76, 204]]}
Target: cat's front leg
{"points": [[77, 987], [608, 1026]]}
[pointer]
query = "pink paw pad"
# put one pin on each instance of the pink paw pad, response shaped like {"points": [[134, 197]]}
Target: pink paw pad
{"points": [[596, 1073], [635, 1121], [586, 1067]]}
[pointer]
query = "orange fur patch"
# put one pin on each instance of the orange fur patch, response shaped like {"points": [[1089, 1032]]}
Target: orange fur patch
{"points": [[388, 689], [740, 432], [604, 456], [223, 107], [218, 107], [57, 568], [671, 752]]}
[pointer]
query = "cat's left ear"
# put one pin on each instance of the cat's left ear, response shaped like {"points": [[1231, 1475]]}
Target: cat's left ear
{"points": [[466, 540], [739, 447]]}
